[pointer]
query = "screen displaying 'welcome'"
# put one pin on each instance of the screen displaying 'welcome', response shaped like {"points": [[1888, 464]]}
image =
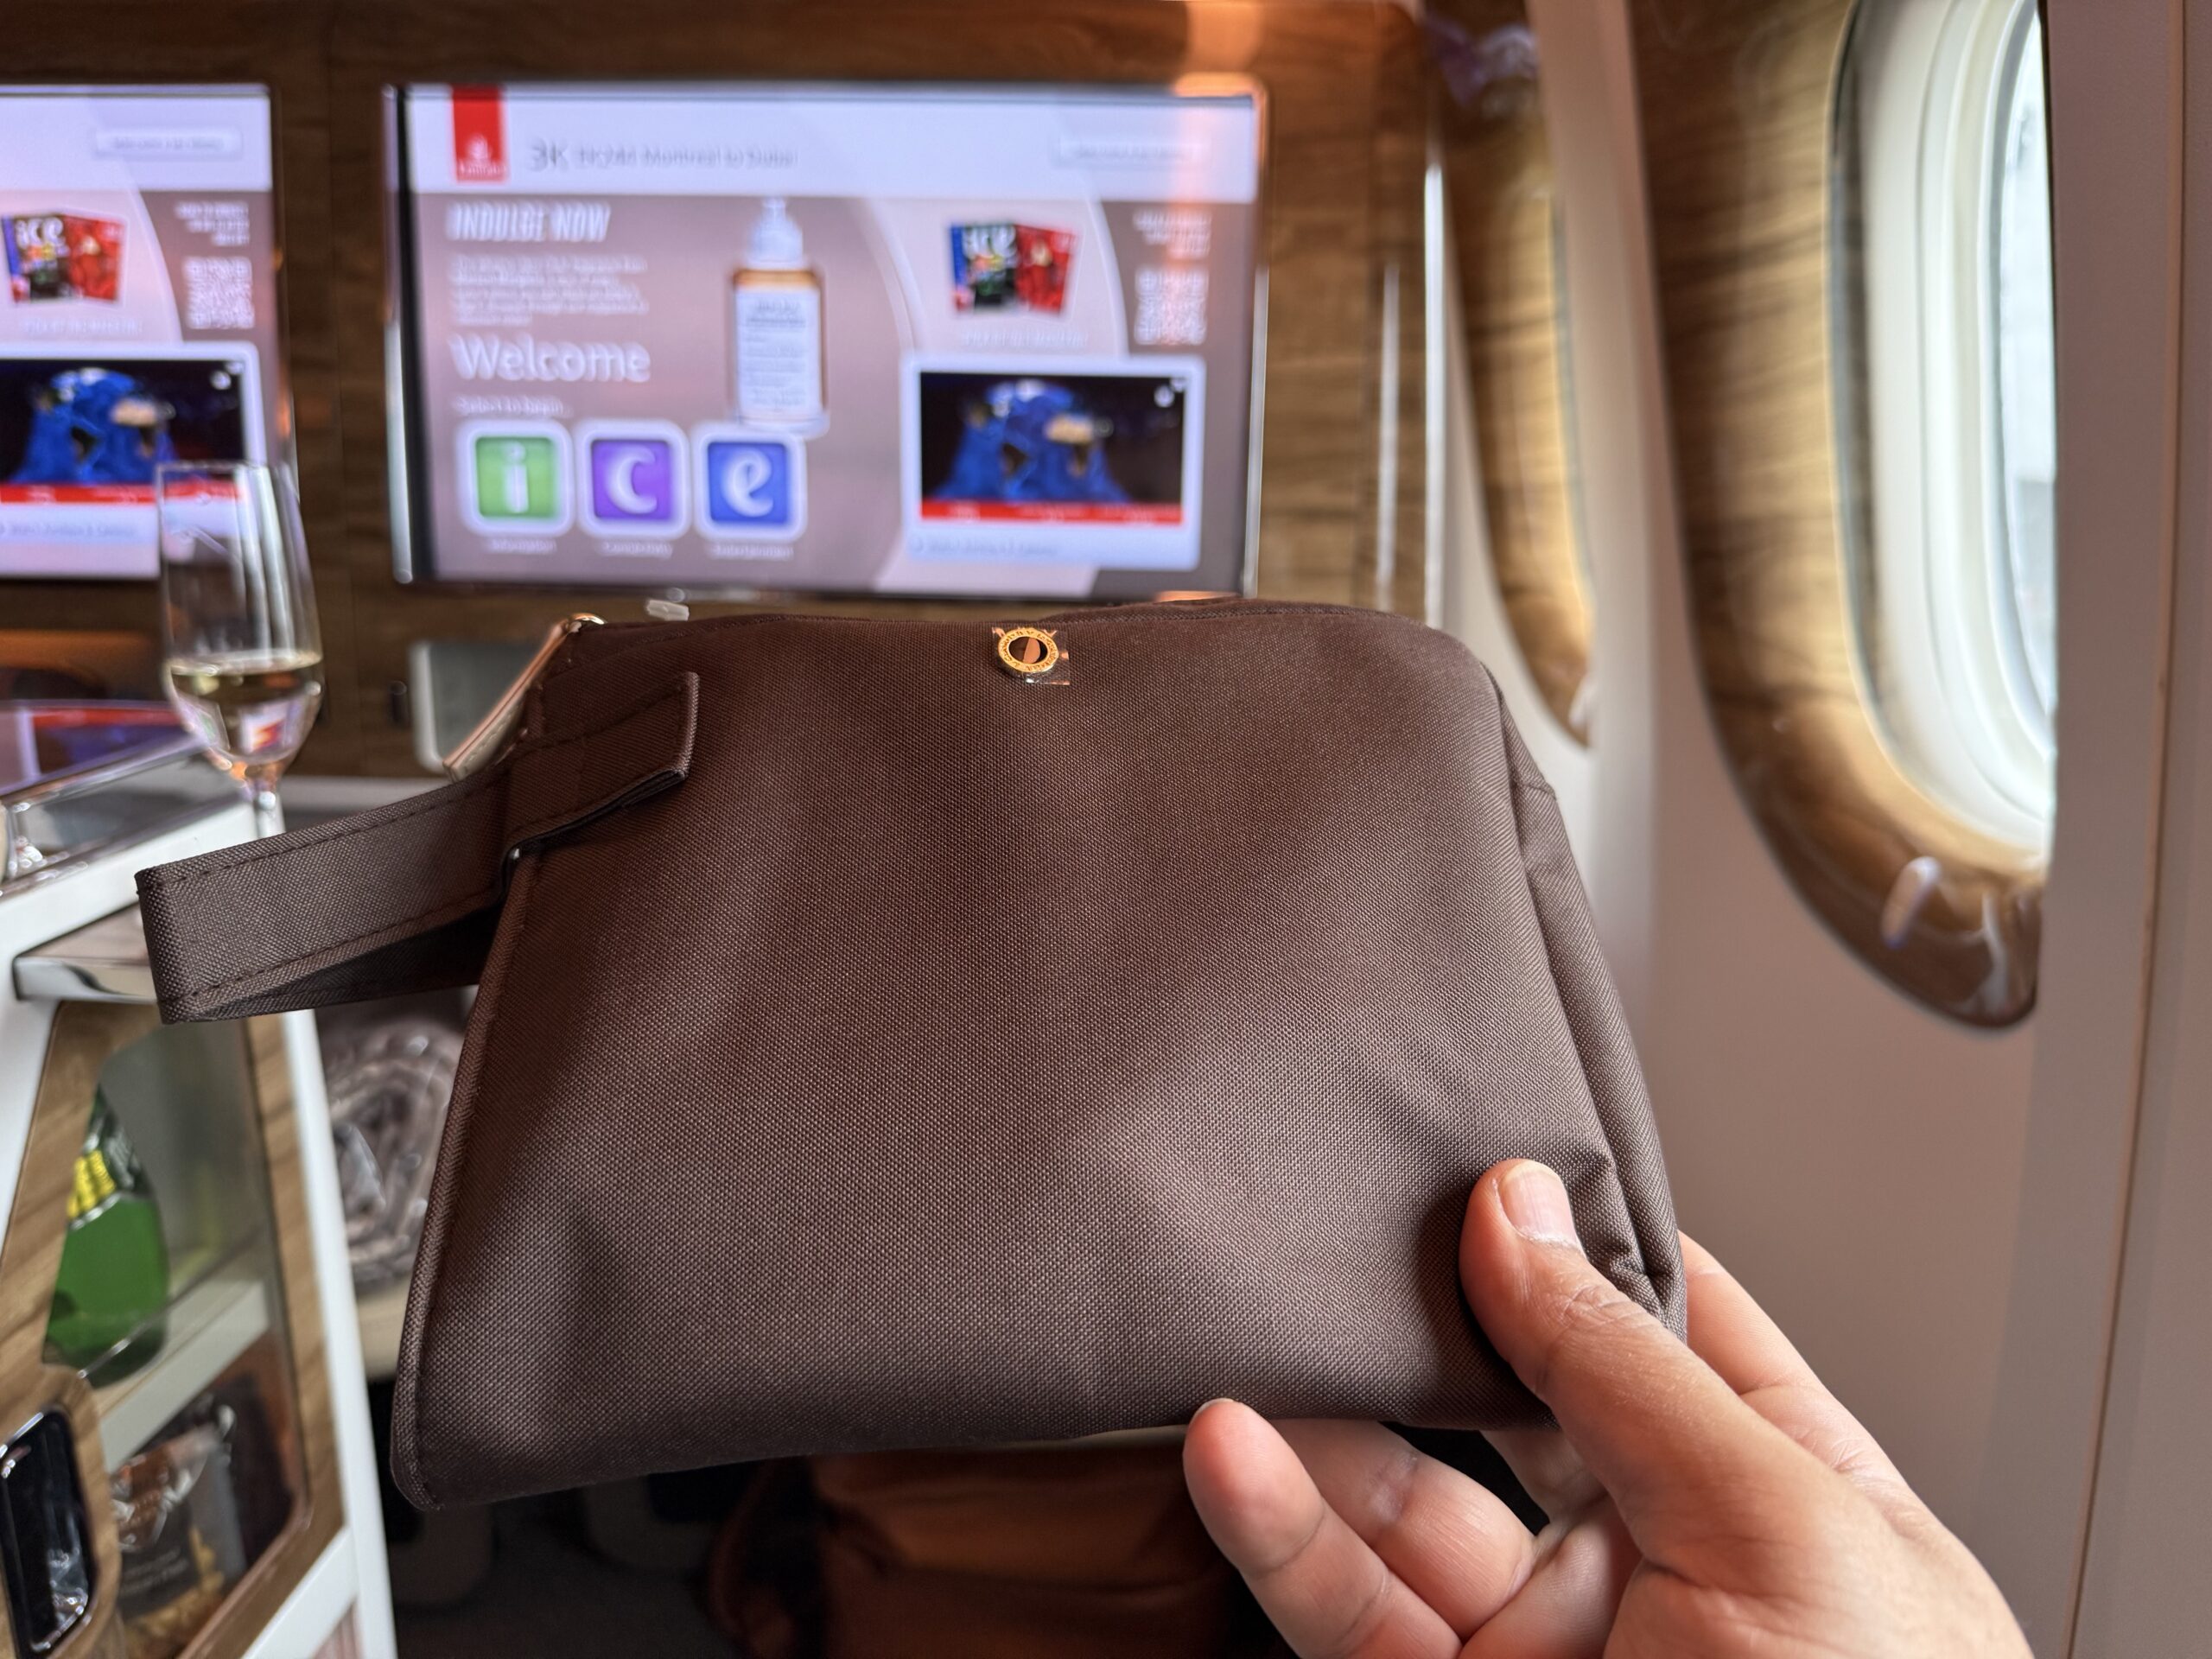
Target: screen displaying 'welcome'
{"points": [[945, 340]]}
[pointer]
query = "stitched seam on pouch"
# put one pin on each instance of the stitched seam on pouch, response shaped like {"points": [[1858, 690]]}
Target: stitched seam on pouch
{"points": [[1640, 1267], [524, 832], [391, 985], [451, 910], [461, 1117], [1596, 1111], [666, 693], [585, 658], [158, 879], [608, 799], [422, 1413]]}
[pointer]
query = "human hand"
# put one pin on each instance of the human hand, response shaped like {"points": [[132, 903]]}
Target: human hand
{"points": [[1704, 1502]]}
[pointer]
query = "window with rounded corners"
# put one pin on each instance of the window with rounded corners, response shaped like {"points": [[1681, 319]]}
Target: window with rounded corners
{"points": [[1948, 412], [1504, 220], [1850, 232]]}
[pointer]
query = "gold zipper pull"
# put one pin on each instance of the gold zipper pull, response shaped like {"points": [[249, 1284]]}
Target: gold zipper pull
{"points": [[489, 739]]}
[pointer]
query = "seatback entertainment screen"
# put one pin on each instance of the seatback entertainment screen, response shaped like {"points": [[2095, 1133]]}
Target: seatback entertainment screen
{"points": [[138, 321], [938, 340]]}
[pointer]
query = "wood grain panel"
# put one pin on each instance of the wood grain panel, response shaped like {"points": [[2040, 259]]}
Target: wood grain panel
{"points": [[1347, 134], [319, 1510], [1498, 178], [84, 1036], [1736, 98]]}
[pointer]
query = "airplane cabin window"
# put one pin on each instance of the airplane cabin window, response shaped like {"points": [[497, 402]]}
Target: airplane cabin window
{"points": [[1946, 372], [1851, 237]]}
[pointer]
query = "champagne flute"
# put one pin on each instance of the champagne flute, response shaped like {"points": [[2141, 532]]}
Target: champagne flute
{"points": [[244, 657]]}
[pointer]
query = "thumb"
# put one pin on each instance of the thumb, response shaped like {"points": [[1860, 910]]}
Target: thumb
{"points": [[1684, 1460]]}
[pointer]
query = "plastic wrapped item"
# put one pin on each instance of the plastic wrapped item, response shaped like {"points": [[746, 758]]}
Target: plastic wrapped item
{"points": [[389, 1084], [176, 1519], [114, 1277], [195, 1510]]}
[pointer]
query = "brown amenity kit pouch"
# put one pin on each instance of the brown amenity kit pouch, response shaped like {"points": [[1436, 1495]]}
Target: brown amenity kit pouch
{"points": [[920, 1033]]}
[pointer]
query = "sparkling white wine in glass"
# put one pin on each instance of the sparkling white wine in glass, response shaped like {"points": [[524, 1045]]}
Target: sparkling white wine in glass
{"points": [[244, 654], [249, 703]]}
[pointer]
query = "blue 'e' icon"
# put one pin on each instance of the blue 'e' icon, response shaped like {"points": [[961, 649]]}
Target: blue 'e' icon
{"points": [[749, 485]]}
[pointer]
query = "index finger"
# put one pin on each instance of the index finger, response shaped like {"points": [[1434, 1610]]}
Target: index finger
{"points": [[1692, 1468]]}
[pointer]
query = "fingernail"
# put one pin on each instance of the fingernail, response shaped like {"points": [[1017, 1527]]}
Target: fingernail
{"points": [[1535, 1202]]}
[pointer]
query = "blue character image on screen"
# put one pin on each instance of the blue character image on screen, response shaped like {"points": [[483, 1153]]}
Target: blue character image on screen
{"points": [[1032, 441], [95, 426]]}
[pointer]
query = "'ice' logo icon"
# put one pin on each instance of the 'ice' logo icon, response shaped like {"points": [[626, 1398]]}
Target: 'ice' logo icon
{"points": [[751, 486]]}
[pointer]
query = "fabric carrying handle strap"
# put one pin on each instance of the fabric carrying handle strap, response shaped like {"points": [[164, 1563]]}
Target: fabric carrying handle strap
{"points": [[405, 898]]}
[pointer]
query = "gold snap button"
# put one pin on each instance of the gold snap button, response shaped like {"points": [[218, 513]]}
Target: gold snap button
{"points": [[1032, 653]]}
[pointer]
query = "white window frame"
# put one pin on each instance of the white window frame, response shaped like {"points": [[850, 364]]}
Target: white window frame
{"points": [[1940, 649]]}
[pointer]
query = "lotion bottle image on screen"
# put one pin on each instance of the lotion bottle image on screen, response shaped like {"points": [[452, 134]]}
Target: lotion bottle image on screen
{"points": [[776, 341]]}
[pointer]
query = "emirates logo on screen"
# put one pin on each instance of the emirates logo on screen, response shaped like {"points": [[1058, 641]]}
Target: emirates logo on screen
{"points": [[479, 136]]}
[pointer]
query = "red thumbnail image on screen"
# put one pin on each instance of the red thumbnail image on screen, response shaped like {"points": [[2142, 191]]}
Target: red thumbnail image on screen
{"points": [[76, 495], [1054, 512], [62, 257], [1000, 265]]}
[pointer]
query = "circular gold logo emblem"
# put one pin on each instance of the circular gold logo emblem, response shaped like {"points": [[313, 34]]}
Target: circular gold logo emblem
{"points": [[1030, 652]]}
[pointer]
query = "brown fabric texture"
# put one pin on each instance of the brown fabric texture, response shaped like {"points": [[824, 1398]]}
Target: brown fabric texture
{"points": [[1080, 1553], [396, 898], [1074, 1551], [948, 1059]]}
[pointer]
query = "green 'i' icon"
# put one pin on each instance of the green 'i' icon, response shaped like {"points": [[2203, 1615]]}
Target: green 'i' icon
{"points": [[515, 477]]}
